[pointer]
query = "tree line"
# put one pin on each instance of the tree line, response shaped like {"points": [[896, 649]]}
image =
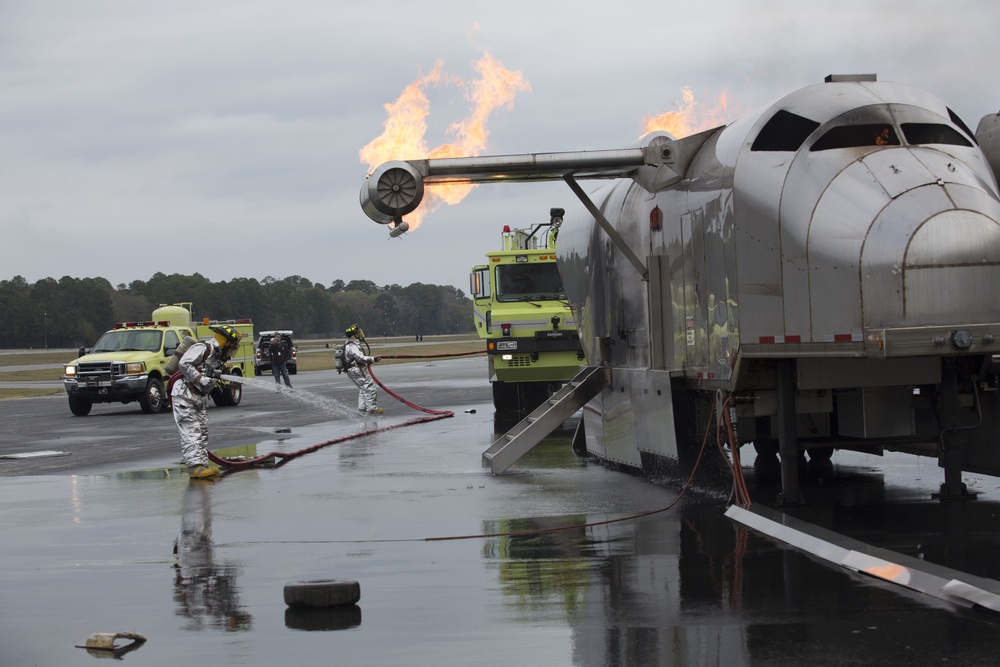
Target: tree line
{"points": [[74, 312]]}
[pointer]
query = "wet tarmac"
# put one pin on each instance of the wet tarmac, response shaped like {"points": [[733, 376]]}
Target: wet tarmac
{"points": [[533, 570]]}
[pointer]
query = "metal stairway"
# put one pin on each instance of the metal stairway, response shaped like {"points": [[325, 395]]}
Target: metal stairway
{"points": [[546, 418]]}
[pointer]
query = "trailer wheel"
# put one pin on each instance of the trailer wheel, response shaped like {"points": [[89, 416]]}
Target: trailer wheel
{"points": [[322, 593], [80, 406], [152, 400], [820, 453]]}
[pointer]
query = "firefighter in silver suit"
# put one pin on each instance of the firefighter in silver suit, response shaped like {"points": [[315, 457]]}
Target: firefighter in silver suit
{"points": [[357, 369], [200, 368]]}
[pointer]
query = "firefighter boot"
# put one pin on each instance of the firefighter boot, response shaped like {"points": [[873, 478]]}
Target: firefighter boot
{"points": [[377, 411], [202, 472]]}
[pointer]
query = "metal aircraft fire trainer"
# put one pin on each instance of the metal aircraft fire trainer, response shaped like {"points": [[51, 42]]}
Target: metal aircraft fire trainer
{"points": [[830, 263]]}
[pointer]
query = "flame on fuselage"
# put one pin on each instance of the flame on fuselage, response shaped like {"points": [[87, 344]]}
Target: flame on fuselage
{"points": [[689, 118], [406, 125]]}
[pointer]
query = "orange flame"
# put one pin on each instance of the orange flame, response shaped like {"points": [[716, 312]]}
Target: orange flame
{"points": [[689, 118], [406, 125]]}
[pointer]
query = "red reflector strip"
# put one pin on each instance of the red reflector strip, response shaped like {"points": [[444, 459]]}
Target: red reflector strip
{"points": [[770, 340], [834, 338]]}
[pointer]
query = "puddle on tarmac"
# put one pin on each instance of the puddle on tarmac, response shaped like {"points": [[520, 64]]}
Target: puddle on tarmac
{"points": [[534, 572]]}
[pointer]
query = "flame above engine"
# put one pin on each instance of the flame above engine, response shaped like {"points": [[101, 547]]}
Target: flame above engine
{"points": [[689, 118], [406, 125]]}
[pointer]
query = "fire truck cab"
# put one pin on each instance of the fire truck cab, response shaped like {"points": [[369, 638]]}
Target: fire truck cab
{"points": [[520, 309]]}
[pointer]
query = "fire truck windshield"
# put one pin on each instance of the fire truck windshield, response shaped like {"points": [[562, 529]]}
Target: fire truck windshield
{"points": [[523, 282]]}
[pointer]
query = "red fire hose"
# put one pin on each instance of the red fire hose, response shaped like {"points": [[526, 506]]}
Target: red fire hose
{"points": [[276, 459]]}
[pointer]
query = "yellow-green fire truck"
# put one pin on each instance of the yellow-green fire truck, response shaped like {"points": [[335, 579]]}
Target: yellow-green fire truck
{"points": [[127, 363], [532, 342]]}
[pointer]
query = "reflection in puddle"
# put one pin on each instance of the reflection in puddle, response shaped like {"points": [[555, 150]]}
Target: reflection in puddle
{"points": [[206, 592]]}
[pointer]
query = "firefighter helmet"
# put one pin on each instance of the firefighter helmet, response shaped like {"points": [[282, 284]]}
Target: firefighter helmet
{"points": [[354, 331], [228, 339]]}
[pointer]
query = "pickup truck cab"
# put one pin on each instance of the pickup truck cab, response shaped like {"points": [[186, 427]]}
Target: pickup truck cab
{"points": [[125, 365], [128, 362]]}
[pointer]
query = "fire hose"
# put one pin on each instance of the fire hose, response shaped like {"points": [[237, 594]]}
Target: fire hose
{"points": [[276, 459]]}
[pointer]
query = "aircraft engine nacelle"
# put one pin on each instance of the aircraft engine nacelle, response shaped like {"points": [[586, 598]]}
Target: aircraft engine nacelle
{"points": [[392, 191]]}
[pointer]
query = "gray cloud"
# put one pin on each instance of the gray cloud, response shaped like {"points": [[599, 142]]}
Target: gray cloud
{"points": [[127, 128]]}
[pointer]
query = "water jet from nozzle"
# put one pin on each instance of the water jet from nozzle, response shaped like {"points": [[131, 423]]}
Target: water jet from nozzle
{"points": [[399, 229]]}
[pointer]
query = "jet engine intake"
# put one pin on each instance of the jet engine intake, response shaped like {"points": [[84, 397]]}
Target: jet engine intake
{"points": [[392, 191]]}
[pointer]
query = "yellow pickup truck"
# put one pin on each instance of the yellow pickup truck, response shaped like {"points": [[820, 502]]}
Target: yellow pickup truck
{"points": [[127, 362]]}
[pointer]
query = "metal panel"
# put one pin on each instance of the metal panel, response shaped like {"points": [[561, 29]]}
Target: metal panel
{"points": [[875, 412], [653, 411]]}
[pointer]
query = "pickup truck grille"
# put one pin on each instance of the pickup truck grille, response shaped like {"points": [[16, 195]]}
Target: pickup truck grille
{"points": [[99, 370]]}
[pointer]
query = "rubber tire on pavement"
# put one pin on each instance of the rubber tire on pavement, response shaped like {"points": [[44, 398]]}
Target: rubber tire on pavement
{"points": [[80, 406], [232, 393], [153, 399], [218, 397], [322, 593]]}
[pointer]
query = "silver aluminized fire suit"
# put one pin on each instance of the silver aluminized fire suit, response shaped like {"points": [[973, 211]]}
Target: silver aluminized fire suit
{"points": [[189, 398], [357, 369]]}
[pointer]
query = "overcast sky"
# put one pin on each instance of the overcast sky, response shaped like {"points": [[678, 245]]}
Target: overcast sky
{"points": [[222, 137]]}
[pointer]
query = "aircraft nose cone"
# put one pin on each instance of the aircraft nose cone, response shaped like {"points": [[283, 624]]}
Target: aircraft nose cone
{"points": [[924, 260]]}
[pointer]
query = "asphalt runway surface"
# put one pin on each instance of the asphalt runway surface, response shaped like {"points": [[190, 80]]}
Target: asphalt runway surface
{"points": [[542, 566]]}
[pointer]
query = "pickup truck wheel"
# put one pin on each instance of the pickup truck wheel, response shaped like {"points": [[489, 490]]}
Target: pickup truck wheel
{"points": [[80, 406], [153, 400], [218, 398]]}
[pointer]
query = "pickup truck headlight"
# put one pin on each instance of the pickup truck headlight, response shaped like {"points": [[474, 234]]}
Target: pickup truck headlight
{"points": [[135, 368], [70, 371]]}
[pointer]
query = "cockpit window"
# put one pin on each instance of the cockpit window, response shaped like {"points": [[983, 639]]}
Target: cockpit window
{"points": [[961, 124], [851, 136], [785, 131], [933, 133]]}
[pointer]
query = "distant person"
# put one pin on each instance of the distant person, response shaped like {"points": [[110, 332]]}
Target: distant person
{"points": [[279, 358], [200, 368], [357, 363]]}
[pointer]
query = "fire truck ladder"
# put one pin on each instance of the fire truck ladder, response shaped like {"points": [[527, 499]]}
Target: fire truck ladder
{"points": [[531, 430]]}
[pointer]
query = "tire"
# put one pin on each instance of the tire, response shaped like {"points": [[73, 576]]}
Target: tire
{"points": [[766, 447], [293, 370], [820, 453], [232, 393], [80, 406], [218, 398], [322, 593], [505, 396], [153, 400]]}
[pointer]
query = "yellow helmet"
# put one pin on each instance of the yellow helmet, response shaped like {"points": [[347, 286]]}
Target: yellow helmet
{"points": [[228, 339], [354, 331]]}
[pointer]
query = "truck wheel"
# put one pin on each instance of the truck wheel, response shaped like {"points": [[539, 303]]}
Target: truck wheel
{"points": [[80, 406], [153, 399], [232, 393], [504, 396]]}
